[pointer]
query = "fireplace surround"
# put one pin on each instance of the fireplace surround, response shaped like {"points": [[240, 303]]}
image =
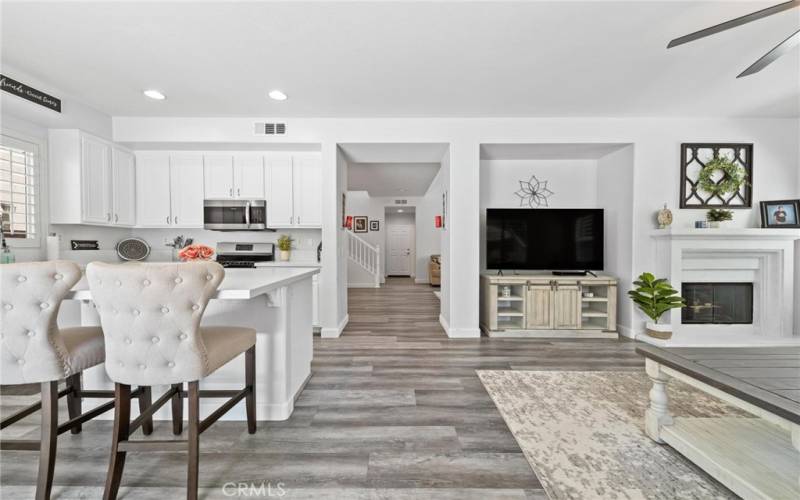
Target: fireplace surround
{"points": [[764, 258]]}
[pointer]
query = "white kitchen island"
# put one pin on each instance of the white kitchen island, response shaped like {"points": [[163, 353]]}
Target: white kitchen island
{"points": [[277, 303]]}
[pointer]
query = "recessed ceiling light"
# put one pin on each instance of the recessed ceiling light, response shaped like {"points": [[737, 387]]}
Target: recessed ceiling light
{"points": [[399, 210], [155, 94], [277, 95]]}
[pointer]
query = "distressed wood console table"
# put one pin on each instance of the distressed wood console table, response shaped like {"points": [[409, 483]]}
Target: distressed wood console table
{"points": [[755, 457]]}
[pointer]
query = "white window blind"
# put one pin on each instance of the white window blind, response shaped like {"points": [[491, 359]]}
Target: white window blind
{"points": [[19, 189]]}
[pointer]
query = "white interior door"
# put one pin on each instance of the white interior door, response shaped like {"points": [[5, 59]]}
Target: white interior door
{"points": [[398, 249]]}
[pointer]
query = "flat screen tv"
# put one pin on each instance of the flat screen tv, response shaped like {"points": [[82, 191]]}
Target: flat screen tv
{"points": [[553, 239]]}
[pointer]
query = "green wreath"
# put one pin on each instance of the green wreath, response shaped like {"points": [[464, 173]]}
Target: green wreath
{"points": [[734, 176]]}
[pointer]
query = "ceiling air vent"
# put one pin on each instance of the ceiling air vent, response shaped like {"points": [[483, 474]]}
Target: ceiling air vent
{"points": [[401, 202], [270, 128]]}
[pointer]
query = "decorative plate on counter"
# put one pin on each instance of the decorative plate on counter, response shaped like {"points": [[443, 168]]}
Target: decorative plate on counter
{"points": [[133, 249]]}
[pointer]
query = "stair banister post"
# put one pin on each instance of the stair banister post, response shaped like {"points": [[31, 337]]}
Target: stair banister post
{"points": [[377, 265]]}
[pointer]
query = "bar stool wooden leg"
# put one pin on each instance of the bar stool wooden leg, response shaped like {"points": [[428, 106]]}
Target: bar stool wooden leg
{"points": [[47, 445], [250, 382], [145, 400], [194, 440], [74, 400], [177, 410], [122, 422]]}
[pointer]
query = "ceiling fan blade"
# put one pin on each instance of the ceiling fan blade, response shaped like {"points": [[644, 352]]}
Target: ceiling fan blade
{"points": [[768, 58], [748, 18]]}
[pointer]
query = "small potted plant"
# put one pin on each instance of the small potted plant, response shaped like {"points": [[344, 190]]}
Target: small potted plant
{"points": [[285, 246], [717, 217], [655, 297]]}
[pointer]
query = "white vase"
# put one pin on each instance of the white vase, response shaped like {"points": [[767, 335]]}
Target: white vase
{"points": [[658, 331], [285, 254]]}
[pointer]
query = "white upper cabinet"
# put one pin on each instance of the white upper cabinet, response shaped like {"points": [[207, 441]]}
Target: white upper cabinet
{"points": [[186, 188], [153, 190], [307, 187], [92, 181], [279, 191], [123, 181], [218, 174], [248, 176], [294, 190], [96, 181]]}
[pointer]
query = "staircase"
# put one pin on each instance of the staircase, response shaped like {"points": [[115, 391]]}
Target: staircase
{"points": [[366, 255]]}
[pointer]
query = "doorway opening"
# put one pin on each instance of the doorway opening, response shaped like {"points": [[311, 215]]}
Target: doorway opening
{"points": [[401, 236]]}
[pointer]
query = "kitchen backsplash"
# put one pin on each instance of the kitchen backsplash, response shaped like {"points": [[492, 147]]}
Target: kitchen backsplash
{"points": [[306, 241]]}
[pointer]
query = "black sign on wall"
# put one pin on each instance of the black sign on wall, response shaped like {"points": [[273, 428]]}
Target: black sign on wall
{"points": [[31, 94]]}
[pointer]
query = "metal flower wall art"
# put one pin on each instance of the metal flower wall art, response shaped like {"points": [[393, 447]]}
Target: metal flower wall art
{"points": [[533, 192]]}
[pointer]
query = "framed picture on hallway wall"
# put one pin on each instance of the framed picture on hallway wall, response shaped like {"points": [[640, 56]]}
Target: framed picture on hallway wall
{"points": [[374, 225], [360, 224]]}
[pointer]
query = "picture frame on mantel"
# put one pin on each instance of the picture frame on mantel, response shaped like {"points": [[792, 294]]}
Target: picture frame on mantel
{"points": [[780, 214], [694, 157]]}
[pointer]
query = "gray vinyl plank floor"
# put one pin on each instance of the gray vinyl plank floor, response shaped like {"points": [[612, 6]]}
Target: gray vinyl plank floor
{"points": [[394, 409]]}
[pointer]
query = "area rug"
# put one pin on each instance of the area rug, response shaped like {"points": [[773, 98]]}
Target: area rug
{"points": [[583, 434]]}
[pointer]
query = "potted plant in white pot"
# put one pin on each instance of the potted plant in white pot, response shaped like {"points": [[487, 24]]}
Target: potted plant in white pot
{"points": [[655, 297], [285, 246], [719, 217]]}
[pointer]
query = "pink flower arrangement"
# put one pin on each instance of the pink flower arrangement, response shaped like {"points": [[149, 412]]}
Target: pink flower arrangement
{"points": [[196, 252]]}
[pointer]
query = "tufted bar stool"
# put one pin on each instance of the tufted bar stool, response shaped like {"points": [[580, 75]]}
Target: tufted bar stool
{"points": [[34, 350], [150, 314]]}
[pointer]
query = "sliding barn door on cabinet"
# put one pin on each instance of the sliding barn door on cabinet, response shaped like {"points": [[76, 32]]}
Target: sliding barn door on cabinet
{"points": [[567, 307], [538, 314]]}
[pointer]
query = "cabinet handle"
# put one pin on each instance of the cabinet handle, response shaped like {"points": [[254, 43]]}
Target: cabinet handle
{"points": [[116, 217], [176, 219], [298, 219], [108, 217], [291, 219], [167, 219], [231, 192], [238, 192]]}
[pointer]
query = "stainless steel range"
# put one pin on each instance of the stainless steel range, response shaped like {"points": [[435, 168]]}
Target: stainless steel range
{"points": [[233, 254]]}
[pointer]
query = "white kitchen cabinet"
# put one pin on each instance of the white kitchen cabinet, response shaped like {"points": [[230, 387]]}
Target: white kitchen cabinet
{"points": [[92, 181], [95, 180], [248, 176], [153, 204], [170, 190], [186, 189], [123, 182], [280, 211], [218, 176], [294, 191], [307, 188]]}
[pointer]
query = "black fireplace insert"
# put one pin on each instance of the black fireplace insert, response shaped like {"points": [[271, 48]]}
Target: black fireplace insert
{"points": [[717, 303]]}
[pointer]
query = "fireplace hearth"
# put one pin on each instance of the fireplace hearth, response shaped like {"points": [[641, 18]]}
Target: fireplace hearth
{"points": [[717, 303]]}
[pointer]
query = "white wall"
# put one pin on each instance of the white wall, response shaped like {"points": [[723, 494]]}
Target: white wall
{"points": [[429, 237], [656, 161], [26, 120], [615, 180], [573, 182]]}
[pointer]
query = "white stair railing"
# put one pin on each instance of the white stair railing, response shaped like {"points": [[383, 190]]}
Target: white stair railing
{"points": [[366, 255]]}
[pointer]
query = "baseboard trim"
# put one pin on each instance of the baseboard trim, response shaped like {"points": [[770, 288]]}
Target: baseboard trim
{"points": [[421, 281], [459, 333], [445, 324], [333, 333], [626, 331], [362, 285]]}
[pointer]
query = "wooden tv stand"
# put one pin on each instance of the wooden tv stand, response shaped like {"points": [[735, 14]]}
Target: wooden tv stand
{"points": [[547, 306]]}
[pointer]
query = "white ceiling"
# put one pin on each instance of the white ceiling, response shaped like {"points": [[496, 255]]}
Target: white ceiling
{"points": [[391, 179], [365, 59], [545, 151]]}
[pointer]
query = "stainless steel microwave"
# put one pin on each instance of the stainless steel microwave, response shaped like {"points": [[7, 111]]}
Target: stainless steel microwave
{"points": [[235, 215]]}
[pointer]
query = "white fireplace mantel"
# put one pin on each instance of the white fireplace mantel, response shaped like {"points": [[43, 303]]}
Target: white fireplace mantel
{"points": [[765, 257]]}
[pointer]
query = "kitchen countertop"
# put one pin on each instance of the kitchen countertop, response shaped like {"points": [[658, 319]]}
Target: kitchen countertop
{"points": [[290, 263], [239, 284]]}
